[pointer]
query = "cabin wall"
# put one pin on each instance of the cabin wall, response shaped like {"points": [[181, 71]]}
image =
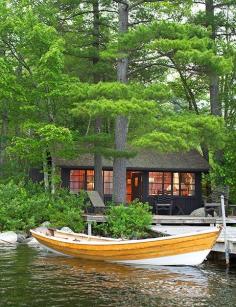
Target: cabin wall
{"points": [[65, 178], [183, 204], [186, 203]]}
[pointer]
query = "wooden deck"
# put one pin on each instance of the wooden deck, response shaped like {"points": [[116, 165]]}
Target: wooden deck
{"points": [[171, 220]]}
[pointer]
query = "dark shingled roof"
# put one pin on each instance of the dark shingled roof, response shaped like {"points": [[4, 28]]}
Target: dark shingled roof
{"points": [[148, 160]]}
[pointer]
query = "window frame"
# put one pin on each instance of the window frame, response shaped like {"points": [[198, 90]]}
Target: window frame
{"points": [[107, 170], [192, 186], [85, 180]]}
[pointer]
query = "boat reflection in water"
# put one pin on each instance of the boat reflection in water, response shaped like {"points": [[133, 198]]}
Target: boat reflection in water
{"points": [[152, 282], [31, 276]]}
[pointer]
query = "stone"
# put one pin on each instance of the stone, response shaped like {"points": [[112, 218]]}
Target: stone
{"points": [[200, 212], [8, 237], [67, 229], [32, 242], [46, 224], [44, 230], [21, 238]]}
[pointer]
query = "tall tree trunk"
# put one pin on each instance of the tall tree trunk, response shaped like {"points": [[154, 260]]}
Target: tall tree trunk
{"points": [[3, 136], [213, 77], [121, 123], [53, 177], [45, 171], [98, 178], [215, 104]]}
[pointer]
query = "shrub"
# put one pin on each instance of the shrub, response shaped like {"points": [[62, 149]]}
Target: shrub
{"points": [[130, 222], [26, 206]]}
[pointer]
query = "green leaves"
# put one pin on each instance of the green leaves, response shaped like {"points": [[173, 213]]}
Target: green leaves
{"points": [[57, 140], [107, 108], [128, 222], [184, 132]]}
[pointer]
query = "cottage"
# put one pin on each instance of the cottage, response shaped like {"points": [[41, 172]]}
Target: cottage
{"points": [[150, 176]]}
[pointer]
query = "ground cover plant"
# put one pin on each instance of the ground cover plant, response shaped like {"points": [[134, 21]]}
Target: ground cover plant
{"points": [[25, 206]]}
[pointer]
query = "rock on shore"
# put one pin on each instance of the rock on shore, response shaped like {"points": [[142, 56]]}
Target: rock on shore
{"points": [[8, 237]]}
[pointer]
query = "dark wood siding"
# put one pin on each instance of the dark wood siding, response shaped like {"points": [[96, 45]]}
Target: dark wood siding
{"points": [[186, 203], [65, 178]]}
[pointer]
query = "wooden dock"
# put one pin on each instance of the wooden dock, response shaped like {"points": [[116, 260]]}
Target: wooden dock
{"points": [[171, 220], [180, 224], [218, 247]]}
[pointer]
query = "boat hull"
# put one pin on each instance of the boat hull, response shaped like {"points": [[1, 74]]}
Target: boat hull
{"points": [[189, 249], [192, 259]]}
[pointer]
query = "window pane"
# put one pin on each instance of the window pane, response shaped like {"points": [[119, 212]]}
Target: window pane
{"points": [[175, 183], [167, 184], [187, 184], [155, 183], [90, 180], [108, 182], [77, 180]]}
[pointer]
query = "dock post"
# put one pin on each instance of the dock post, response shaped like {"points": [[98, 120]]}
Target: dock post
{"points": [[89, 228], [225, 230]]}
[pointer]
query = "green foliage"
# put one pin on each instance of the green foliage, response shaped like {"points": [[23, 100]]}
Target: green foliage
{"points": [[224, 173], [128, 222], [52, 57], [48, 137], [184, 132], [26, 206]]}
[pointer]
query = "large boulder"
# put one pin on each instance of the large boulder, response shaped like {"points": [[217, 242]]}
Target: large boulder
{"points": [[8, 237], [200, 212], [46, 224], [67, 229], [21, 238], [32, 242], [43, 230]]}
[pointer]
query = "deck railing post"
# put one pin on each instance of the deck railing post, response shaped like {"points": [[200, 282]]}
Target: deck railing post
{"points": [[225, 230], [89, 228]]}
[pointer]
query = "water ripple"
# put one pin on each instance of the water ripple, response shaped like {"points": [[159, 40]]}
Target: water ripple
{"points": [[33, 277]]}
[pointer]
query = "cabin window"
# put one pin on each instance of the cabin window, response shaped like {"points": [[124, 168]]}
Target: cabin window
{"points": [[155, 183], [160, 183], [90, 180], [81, 180], [108, 182], [176, 184], [187, 184], [166, 183], [77, 180]]}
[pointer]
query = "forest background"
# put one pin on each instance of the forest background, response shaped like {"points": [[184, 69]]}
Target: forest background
{"points": [[110, 77]]}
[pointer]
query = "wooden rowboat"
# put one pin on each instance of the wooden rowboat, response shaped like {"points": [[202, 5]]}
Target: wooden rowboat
{"points": [[185, 249]]}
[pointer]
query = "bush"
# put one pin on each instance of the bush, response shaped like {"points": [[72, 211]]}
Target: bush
{"points": [[26, 206], [128, 222]]}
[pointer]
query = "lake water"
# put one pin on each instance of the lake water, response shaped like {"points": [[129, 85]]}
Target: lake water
{"points": [[30, 276]]}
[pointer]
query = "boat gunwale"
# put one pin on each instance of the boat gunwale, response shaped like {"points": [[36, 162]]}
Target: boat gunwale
{"points": [[94, 243]]}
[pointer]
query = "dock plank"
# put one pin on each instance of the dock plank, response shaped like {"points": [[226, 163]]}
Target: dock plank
{"points": [[171, 219]]}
